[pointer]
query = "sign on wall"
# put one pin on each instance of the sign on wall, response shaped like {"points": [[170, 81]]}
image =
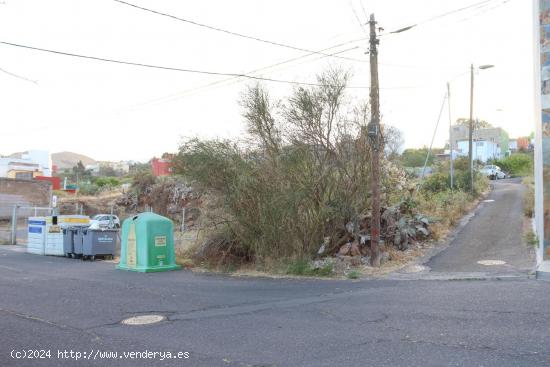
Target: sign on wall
{"points": [[545, 103]]}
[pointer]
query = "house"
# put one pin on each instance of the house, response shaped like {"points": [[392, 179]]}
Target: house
{"points": [[162, 166], [26, 165], [119, 168], [513, 145], [483, 150], [22, 169], [497, 140]]}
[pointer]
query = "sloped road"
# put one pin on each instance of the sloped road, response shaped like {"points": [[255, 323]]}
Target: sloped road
{"points": [[495, 232]]}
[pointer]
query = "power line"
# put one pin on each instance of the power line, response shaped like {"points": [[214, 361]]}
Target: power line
{"points": [[176, 96], [273, 43], [95, 58], [18, 76], [403, 29]]}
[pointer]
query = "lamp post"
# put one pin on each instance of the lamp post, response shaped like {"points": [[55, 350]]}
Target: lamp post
{"points": [[471, 124]]}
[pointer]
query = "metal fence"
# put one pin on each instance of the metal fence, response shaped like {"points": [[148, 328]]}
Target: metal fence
{"points": [[14, 229]]}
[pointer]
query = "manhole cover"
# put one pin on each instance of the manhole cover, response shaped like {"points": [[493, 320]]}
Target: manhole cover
{"points": [[491, 262], [143, 320]]}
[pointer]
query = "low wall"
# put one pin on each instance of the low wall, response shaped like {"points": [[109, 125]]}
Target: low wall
{"points": [[24, 193]]}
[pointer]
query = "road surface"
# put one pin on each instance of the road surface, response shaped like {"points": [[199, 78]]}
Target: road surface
{"points": [[58, 305], [495, 232]]}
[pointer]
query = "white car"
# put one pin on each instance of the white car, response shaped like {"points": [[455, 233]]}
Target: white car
{"points": [[105, 221], [493, 172]]}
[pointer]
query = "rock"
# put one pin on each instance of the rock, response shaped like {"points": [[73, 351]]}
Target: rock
{"points": [[342, 264], [355, 250], [321, 249], [345, 249], [384, 258]]}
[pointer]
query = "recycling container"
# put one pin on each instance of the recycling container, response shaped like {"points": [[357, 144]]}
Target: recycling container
{"points": [[147, 244], [99, 242], [78, 238], [68, 241], [36, 235]]}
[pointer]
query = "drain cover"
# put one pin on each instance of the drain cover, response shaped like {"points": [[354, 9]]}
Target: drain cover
{"points": [[143, 320], [491, 262]]}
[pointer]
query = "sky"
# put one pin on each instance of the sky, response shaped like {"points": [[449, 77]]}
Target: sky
{"points": [[120, 112]]}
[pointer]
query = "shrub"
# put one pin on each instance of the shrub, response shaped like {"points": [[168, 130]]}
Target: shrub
{"points": [[520, 164], [107, 182], [304, 175]]}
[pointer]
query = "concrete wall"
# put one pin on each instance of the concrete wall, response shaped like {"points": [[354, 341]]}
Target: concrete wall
{"points": [[22, 193]]}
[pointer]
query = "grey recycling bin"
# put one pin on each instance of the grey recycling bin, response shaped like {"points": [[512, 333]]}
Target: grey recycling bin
{"points": [[100, 242], [68, 241], [79, 233]]}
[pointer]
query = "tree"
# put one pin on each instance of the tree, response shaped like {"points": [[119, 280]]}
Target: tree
{"points": [[478, 124], [393, 141], [80, 172]]}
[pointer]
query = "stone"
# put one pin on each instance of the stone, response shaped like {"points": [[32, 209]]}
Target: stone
{"points": [[345, 249], [355, 250]]}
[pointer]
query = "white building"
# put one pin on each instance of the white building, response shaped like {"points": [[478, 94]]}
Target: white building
{"points": [[26, 165], [482, 150]]}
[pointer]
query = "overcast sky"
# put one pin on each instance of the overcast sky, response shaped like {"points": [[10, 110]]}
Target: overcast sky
{"points": [[115, 112]]}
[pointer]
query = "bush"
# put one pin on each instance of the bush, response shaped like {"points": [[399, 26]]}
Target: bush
{"points": [[107, 182], [520, 164], [529, 198], [441, 182], [88, 189], [304, 175]]}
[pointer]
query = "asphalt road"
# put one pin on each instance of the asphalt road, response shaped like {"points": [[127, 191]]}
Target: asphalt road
{"points": [[50, 303], [495, 232]]}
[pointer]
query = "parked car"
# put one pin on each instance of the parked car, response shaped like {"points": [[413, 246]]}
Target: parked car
{"points": [[493, 172], [105, 221]]}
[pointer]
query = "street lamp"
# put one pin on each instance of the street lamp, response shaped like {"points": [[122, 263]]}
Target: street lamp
{"points": [[470, 132], [471, 125]]}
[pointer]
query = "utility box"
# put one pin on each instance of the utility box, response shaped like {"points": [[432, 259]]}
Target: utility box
{"points": [[147, 244]]}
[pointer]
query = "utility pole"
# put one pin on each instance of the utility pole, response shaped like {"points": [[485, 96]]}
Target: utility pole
{"points": [[373, 131], [471, 130], [450, 133]]}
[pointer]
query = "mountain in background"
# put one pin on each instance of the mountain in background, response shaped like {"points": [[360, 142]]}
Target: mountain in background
{"points": [[67, 160]]}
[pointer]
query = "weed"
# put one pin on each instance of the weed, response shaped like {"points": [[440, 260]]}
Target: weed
{"points": [[354, 275], [303, 267], [531, 239]]}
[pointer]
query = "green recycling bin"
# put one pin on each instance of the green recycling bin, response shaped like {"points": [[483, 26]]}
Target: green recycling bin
{"points": [[147, 244]]}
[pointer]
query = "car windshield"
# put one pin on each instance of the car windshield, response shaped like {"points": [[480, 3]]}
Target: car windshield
{"points": [[487, 167]]}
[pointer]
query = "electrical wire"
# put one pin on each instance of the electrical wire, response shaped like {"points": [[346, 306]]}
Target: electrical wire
{"points": [[218, 29], [436, 17], [433, 138], [95, 58], [231, 80], [18, 76]]}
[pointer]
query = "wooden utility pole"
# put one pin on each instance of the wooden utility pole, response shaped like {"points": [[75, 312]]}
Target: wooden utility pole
{"points": [[471, 130], [373, 130]]}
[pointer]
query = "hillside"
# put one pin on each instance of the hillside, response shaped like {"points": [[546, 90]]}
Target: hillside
{"points": [[67, 160]]}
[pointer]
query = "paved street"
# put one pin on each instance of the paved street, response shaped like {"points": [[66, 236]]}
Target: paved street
{"points": [[493, 233], [60, 304]]}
